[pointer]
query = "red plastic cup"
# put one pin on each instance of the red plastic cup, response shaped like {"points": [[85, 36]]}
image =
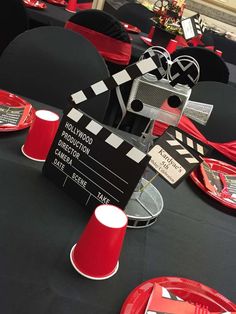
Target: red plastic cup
{"points": [[96, 254], [41, 135], [151, 32], [218, 52], [172, 45], [71, 6]]}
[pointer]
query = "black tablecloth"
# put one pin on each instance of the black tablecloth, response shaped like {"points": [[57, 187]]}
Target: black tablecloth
{"points": [[194, 238], [52, 15], [227, 46]]}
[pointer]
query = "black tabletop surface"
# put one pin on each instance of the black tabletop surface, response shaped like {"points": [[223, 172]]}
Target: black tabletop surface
{"points": [[193, 238], [52, 15]]}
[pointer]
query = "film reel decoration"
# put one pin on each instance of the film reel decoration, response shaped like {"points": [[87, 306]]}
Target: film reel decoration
{"points": [[164, 99], [184, 70], [164, 58]]}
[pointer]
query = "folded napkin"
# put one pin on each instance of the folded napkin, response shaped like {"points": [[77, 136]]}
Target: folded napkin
{"points": [[162, 301]]}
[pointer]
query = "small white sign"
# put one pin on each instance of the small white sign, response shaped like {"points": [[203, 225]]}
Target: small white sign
{"points": [[188, 28], [166, 165]]}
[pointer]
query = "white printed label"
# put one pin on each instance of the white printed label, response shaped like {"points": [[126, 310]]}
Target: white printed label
{"points": [[188, 29], [167, 166]]}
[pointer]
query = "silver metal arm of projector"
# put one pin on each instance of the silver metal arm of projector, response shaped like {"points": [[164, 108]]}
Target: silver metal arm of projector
{"points": [[122, 105]]}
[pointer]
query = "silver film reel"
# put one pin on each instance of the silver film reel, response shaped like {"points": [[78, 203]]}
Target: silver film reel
{"points": [[164, 58]]}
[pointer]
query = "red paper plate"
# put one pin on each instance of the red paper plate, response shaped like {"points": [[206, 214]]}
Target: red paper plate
{"points": [[222, 167], [12, 100], [147, 40], [36, 4], [131, 28], [188, 290]]}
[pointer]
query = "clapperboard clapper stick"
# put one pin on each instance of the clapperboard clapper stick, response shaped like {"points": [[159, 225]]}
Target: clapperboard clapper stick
{"points": [[133, 71]]}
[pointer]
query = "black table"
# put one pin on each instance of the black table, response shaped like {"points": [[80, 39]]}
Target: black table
{"points": [[194, 238]]}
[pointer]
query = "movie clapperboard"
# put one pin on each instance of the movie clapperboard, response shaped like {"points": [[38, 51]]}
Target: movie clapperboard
{"points": [[193, 26], [172, 159], [93, 164]]}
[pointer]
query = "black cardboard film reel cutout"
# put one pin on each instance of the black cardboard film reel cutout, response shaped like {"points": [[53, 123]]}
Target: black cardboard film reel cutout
{"points": [[184, 70]]}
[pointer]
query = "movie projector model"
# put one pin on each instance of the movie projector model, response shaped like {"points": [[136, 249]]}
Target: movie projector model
{"points": [[160, 96], [164, 95]]}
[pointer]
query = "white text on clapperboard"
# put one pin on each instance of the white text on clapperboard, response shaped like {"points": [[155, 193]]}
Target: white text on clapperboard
{"points": [[80, 142]]}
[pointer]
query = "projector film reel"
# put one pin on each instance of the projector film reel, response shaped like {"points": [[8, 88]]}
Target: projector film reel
{"points": [[164, 58], [184, 70]]}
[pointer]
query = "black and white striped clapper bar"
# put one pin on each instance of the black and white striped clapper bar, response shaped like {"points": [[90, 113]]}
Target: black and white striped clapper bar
{"points": [[189, 141], [92, 163], [193, 26], [128, 74]]}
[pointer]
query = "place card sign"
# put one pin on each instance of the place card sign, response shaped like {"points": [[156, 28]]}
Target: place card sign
{"points": [[172, 160], [92, 163], [193, 26], [10, 116]]}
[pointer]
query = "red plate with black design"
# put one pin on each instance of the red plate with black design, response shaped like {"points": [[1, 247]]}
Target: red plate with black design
{"points": [[21, 113], [221, 167], [131, 28], [188, 290]]}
